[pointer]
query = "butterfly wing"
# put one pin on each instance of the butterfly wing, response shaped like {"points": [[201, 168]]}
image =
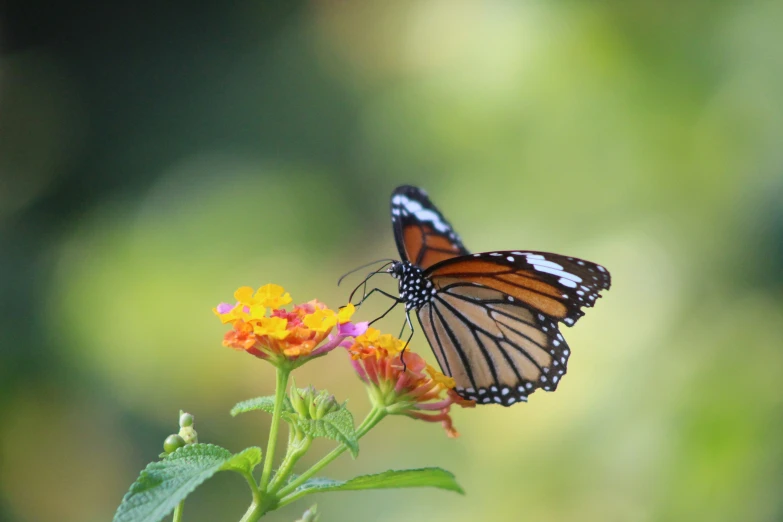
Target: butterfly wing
{"points": [[496, 351], [493, 321], [555, 285], [422, 234]]}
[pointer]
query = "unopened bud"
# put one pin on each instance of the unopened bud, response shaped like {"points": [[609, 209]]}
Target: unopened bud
{"points": [[326, 404], [311, 515], [312, 404], [187, 428], [173, 442], [185, 420], [298, 402], [313, 409]]}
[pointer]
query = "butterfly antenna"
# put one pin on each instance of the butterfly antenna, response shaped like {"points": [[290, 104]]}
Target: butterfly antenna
{"points": [[364, 282], [360, 267]]}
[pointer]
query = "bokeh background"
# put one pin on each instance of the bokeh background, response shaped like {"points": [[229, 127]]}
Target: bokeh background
{"points": [[154, 157]]}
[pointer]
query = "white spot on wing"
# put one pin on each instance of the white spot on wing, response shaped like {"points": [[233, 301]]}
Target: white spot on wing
{"points": [[559, 273]]}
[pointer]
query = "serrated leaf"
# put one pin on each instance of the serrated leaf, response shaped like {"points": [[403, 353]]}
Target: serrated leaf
{"points": [[266, 404], [408, 478], [163, 484], [337, 425], [245, 460]]}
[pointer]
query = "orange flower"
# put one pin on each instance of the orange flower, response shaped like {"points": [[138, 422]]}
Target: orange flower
{"points": [[415, 388], [281, 335]]}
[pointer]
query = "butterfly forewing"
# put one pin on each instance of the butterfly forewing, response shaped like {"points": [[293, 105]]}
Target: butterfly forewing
{"points": [[422, 234], [555, 285]]}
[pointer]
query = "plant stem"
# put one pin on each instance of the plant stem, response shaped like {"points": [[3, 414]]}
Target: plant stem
{"points": [[178, 512], [374, 417], [288, 463], [280, 388], [256, 509], [253, 513]]}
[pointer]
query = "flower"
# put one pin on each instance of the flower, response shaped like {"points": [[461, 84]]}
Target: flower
{"points": [[262, 327], [414, 389]]}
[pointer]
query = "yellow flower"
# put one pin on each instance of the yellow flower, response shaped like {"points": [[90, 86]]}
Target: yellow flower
{"points": [[373, 338], [274, 327], [321, 320], [345, 313], [248, 305], [244, 295], [273, 296], [440, 378]]}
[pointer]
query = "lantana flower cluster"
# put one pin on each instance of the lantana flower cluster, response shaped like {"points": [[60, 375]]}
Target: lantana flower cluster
{"points": [[402, 382], [399, 381], [263, 328]]}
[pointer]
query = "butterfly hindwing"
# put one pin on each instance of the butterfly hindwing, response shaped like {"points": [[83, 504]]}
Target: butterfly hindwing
{"points": [[497, 351], [422, 234]]}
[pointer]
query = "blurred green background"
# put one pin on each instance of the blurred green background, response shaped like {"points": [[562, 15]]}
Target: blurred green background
{"points": [[156, 156]]}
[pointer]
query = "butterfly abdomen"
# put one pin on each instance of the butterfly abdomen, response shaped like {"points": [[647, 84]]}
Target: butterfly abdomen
{"points": [[416, 289]]}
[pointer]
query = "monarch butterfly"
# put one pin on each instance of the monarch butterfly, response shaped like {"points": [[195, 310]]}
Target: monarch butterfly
{"points": [[491, 318]]}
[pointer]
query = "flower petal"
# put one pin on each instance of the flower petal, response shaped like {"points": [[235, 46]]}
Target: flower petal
{"points": [[244, 295], [345, 313], [352, 329], [272, 296]]}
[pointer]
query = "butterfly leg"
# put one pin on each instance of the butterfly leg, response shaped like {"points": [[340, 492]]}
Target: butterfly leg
{"points": [[410, 325], [402, 330], [365, 296], [392, 307]]}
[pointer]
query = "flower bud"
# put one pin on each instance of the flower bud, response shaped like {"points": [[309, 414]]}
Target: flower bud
{"points": [[313, 410], [187, 429], [310, 404], [173, 442], [298, 401], [185, 420], [311, 515], [325, 404]]}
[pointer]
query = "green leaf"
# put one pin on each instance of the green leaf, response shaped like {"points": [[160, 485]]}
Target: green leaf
{"points": [[266, 404], [408, 478], [337, 425], [163, 484], [244, 461]]}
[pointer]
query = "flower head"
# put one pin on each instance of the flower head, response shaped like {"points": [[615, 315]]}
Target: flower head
{"points": [[261, 327], [406, 386]]}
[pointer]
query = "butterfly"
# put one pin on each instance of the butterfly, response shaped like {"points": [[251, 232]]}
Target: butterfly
{"points": [[491, 318]]}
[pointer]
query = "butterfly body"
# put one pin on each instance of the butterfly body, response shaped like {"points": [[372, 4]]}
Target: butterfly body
{"points": [[491, 318], [414, 287]]}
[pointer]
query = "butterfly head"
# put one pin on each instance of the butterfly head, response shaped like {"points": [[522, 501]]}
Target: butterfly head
{"points": [[415, 288], [395, 269]]}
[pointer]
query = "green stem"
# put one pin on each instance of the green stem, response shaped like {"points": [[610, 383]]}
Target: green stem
{"points": [[255, 510], [290, 459], [374, 417], [280, 388], [178, 512], [253, 513]]}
